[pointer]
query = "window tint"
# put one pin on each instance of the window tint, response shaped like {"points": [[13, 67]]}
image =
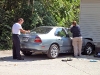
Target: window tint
{"points": [[42, 30], [60, 32]]}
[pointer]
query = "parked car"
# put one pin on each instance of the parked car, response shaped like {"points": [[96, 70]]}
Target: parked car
{"points": [[51, 41]]}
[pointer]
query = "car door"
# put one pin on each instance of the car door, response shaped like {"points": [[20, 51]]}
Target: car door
{"points": [[65, 40]]}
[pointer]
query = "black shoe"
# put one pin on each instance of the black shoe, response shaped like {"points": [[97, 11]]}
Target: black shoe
{"points": [[14, 58], [20, 58]]}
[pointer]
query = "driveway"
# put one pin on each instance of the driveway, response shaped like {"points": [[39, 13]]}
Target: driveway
{"points": [[41, 65]]}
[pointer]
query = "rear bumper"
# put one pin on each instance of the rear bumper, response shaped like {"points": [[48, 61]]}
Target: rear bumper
{"points": [[34, 50], [33, 47]]}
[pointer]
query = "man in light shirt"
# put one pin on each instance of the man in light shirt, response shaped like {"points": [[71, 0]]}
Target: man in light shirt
{"points": [[16, 30]]}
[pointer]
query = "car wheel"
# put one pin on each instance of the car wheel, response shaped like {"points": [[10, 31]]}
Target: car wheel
{"points": [[27, 53], [88, 49], [53, 51]]}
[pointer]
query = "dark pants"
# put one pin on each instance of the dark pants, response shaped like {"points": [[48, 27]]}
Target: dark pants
{"points": [[16, 46]]}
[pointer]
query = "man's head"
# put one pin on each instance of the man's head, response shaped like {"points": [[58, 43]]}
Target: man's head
{"points": [[74, 23], [20, 21]]}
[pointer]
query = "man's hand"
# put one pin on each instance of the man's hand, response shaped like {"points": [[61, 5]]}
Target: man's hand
{"points": [[24, 31], [28, 31]]}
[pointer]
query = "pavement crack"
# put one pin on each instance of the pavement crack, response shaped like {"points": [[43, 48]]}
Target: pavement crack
{"points": [[77, 68]]}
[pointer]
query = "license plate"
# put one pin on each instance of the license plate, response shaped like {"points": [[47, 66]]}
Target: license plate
{"points": [[25, 39]]}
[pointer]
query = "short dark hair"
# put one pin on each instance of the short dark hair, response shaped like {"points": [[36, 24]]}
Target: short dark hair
{"points": [[20, 19]]}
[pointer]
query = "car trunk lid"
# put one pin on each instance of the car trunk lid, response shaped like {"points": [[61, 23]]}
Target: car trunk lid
{"points": [[32, 37]]}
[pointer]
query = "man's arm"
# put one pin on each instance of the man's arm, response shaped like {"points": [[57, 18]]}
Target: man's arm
{"points": [[24, 31]]}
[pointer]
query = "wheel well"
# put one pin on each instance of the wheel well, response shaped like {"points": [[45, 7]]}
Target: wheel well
{"points": [[89, 39], [89, 43], [93, 46], [56, 44]]}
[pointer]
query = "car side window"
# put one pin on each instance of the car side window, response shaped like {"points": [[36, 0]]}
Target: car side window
{"points": [[69, 32], [60, 32]]}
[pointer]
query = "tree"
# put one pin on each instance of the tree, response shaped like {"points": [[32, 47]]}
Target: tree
{"points": [[64, 11], [35, 13]]}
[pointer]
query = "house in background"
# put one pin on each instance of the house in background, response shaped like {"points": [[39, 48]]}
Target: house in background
{"points": [[90, 19]]}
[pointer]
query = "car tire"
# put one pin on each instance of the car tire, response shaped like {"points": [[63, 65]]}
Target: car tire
{"points": [[27, 53], [88, 50], [53, 51]]}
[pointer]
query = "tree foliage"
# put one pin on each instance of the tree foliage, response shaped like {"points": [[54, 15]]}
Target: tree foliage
{"points": [[35, 13]]}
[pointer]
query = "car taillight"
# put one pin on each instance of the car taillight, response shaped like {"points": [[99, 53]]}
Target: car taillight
{"points": [[38, 40]]}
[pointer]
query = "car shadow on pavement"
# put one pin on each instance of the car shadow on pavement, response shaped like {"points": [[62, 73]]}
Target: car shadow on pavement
{"points": [[26, 58], [39, 57]]}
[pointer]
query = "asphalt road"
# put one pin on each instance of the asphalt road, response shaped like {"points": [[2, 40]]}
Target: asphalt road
{"points": [[41, 65]]}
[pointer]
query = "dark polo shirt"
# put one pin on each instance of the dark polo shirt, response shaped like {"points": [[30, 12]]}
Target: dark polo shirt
{"points": [[75, 30]]}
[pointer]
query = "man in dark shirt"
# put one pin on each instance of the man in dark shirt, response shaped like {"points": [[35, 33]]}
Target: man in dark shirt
{"points": [[77, 38]]}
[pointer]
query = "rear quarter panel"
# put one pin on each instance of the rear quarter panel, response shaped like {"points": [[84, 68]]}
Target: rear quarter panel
{"points": [[47, 40]]}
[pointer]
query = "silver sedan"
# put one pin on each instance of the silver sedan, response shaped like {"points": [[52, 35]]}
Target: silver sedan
{"points": [[51, 41]]}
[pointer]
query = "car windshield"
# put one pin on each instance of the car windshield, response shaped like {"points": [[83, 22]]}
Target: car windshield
{"points": [[41, 30]]}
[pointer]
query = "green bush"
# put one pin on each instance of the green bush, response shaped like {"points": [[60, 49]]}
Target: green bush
{"points": [[35, 13]]}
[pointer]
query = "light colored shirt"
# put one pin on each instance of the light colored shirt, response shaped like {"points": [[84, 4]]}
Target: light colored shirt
{"points": [[16, 28]]}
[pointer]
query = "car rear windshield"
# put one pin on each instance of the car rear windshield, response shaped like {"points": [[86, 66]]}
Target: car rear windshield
{"points": [[42, 30]]}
